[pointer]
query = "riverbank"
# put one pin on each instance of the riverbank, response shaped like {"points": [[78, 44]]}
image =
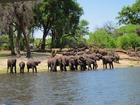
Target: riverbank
{"points": [[125, 61]]}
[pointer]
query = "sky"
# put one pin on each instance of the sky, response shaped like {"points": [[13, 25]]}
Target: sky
{"points": [[99, 12]]}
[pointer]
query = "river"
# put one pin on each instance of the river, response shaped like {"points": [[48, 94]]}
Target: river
{"points": [[101, 87]]}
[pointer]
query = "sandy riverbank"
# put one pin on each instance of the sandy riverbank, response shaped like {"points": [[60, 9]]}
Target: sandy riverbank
{"points": [[125, 61]]}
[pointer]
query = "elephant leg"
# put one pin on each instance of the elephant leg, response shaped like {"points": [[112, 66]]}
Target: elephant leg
{"points": [[23, 70], [7, 69], [105, 66], [76, 67], [54, 68], [49, 67], [112, 65], [35, 69], [15, 69], [27, 69], [96, 66], [61, 67], [64, 68], [89, 67], [72, 67], [11, 69]]}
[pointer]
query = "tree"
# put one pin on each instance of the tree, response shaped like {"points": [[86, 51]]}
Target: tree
{"points": [[74, 40], [20, 16], [124, 30], [82, 29], [130, 14], [6, 21], [58, 17]]}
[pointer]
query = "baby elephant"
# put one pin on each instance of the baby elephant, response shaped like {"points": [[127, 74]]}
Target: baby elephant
{"points": [[32, 64], [21, 65], [11, 62]]}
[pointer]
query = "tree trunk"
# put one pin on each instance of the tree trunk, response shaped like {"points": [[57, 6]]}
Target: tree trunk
{"points": [[11, 40], [22, 28], [18, 42], [43, 44], [53, 39], [45, 33], [27, 44]]}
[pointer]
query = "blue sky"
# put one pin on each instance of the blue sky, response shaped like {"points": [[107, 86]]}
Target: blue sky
{"points": [[99, 12]]}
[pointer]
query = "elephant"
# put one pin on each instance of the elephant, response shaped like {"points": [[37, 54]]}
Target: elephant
{"points": [[11, 62], [72, 64], [82, 63], [53, 62], [117, 57], [91, 60], [92, 64], [70, 61], [21, 65], [32, 64], [103, 52], [108, 60], [94, 56], [65, 62]]}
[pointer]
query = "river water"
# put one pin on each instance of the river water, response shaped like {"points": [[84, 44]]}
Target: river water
{"points": [[101, 87]]}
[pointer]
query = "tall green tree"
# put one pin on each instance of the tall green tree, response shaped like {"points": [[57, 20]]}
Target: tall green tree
{"points": [[130, 14], [58, 18], [73, 40]]}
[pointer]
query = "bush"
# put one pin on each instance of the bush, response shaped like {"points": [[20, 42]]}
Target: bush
{"points": [[129, 40], [102, 38], [4, 42]]}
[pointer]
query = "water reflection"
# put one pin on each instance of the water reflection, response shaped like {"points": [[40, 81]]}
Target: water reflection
{"points": [[109, 87]]}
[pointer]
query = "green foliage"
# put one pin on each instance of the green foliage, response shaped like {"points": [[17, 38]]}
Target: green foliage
{"points": [[130, 14], [128, 41], [82, 29], [101, 38], [124, 37], [127, 30], [123, 42], [69, 42], [4, 42], [48, 43], [57, 18]]}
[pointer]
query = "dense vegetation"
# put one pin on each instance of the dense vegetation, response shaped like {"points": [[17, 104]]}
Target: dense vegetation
{"points": [[62, 27]]}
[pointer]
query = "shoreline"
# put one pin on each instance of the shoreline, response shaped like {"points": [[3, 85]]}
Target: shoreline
{"points": [[125, 61], [42, 67]]}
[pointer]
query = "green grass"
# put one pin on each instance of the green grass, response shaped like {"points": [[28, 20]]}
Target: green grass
{"points": [[3, 71]]}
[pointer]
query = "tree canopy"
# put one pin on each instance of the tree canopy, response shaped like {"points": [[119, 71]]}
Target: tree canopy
{"points": [[130, 14], [57, 18]]}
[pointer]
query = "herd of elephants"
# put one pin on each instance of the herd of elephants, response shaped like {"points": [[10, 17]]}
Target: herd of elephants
{"points": [[69, 61]]}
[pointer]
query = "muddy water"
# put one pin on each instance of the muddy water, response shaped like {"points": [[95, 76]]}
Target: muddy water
{"points": [[101, 87]]}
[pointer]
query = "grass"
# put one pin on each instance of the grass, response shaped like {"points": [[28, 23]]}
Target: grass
{"points": [[3, 71]]}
